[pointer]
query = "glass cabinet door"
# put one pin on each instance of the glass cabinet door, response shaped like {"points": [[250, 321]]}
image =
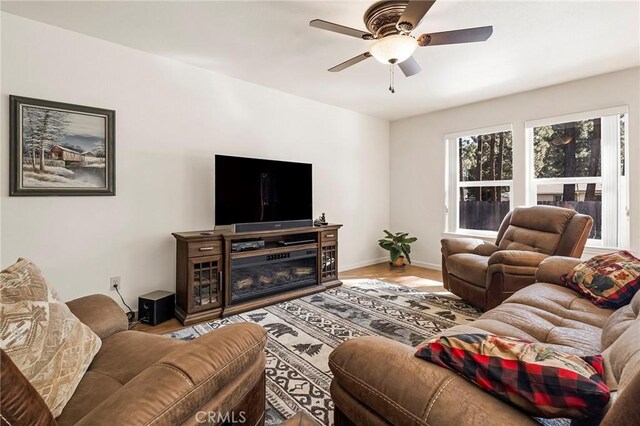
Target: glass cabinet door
{"points": [[329, 261], [205, 276]]}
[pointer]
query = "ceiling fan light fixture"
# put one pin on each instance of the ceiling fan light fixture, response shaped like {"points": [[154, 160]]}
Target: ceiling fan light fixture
{"points": [[394, 48]]}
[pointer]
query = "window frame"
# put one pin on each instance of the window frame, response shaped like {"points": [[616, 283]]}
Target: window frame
{"points": [[524, 189], [453, 182], [615, 228]]}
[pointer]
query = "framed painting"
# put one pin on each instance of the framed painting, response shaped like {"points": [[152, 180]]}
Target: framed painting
{"points": [[60, 149]]}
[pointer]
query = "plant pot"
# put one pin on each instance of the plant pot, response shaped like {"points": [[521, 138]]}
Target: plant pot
{"points": [[399, 263]]}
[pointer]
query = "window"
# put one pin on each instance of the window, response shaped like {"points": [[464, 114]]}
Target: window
{"points": [[578, 162], [480, 191]]}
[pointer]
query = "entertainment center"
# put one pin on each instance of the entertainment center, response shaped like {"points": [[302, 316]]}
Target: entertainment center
{"points": [[213, 281], [265, 248]]}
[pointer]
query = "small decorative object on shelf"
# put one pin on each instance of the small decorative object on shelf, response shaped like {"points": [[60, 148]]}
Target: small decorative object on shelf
{"points": [[399, 247], [321, 221]]}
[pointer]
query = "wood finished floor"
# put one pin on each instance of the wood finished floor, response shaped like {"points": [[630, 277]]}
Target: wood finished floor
{"points": [[409, 276]]}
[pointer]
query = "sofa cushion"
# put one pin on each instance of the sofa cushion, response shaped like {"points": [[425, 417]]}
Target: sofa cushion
{"points": [[107, 373], [93, 389], [621, 338], [562, 303], [608, 280], [533, 376], [142, 350], [542, 218], [517, 238], [620, 321], [625, 411], [49, 345], [545, 313], [412, 393], [472, 268], [536, 228]]}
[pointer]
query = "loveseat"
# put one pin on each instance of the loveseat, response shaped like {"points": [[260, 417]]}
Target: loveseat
{"points": [[378, 381], [138, 378]]}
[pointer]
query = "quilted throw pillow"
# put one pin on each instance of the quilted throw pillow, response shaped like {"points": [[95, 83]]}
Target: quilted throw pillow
{"points": [[47, 343], [608, 280], [532, 376]]}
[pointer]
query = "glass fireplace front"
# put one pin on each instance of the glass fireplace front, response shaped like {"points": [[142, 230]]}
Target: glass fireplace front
{"points": [[262, 275]]}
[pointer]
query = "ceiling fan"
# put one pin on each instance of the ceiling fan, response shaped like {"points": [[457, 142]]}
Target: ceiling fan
{"points": [[390, 24]]}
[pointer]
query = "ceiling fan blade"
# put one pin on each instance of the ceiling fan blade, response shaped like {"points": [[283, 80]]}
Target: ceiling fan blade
{"points": [[352, 61], [410, 67], [468, 35], [413, 14], [341, 29]]}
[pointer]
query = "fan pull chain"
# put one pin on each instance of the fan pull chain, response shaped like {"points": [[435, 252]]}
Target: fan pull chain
{"points": [[392, 88]]}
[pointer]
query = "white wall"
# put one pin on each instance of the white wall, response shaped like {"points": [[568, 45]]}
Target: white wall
{"points": [[171, 119], [417, 149]]}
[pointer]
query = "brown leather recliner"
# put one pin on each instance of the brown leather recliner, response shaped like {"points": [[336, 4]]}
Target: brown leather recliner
{"points": [[486, 274]]}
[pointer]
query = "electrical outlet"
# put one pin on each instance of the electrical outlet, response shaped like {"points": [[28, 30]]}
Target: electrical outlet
{"points": [[115, 282]]}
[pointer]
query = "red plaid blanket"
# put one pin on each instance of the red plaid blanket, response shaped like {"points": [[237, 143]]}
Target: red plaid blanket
{"points": [[532, 376]]}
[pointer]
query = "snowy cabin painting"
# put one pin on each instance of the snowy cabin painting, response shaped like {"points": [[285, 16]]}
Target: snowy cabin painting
{"points": [[65, 154], [61, 149]]}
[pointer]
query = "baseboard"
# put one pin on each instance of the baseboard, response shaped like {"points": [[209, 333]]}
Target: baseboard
{"points": [[436, 266], [363, 263]]}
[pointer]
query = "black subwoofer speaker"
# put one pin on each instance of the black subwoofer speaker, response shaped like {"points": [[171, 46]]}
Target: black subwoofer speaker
{"points": [[156, 307]]}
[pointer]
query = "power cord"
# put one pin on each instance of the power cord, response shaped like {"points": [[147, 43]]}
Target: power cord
{"points": [[131, 316]]}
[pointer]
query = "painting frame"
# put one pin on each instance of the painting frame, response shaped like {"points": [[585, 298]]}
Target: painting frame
{"points": [[17, 187]]}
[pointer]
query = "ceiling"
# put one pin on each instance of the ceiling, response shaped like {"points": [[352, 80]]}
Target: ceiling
{"points": [[534, 44]]}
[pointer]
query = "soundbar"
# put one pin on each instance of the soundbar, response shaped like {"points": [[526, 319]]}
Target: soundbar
{"points": [[270, 226]]}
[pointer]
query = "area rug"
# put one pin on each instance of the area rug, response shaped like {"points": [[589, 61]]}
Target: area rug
{"points": [[303, 332]]}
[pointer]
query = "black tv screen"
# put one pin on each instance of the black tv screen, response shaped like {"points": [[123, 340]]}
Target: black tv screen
{"points": [[253, 190]]}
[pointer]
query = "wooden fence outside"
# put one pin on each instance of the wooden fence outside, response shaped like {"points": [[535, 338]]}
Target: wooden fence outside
{"points": [[591, 208], [482, 215], [488, 215]]}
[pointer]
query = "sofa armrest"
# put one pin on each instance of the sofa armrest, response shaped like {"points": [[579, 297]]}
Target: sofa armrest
{"points": [[174, 388], [553, 268], [517, 258], [386, 377], [100, 313], [467, 245], [510, 271]]}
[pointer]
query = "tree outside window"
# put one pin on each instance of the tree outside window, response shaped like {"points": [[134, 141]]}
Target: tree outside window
{"points": [[485, 173], [581, 165]]}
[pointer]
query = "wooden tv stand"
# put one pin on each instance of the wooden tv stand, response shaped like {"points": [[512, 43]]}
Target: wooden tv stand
{"points": [[212, 281]]}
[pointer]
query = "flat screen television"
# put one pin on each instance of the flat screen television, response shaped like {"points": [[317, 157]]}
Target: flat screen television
{"points": [[251, 190]]}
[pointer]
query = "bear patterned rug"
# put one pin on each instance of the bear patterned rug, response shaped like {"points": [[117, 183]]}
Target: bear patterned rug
{"points": [[303, 332]]}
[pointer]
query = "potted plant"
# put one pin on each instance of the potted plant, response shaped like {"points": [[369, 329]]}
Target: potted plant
{"points": [[398, 245]]}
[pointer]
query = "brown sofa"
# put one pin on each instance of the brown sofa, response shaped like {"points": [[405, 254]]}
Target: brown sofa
{"points": [[141, 379], [378, 381], [485, 274]]}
